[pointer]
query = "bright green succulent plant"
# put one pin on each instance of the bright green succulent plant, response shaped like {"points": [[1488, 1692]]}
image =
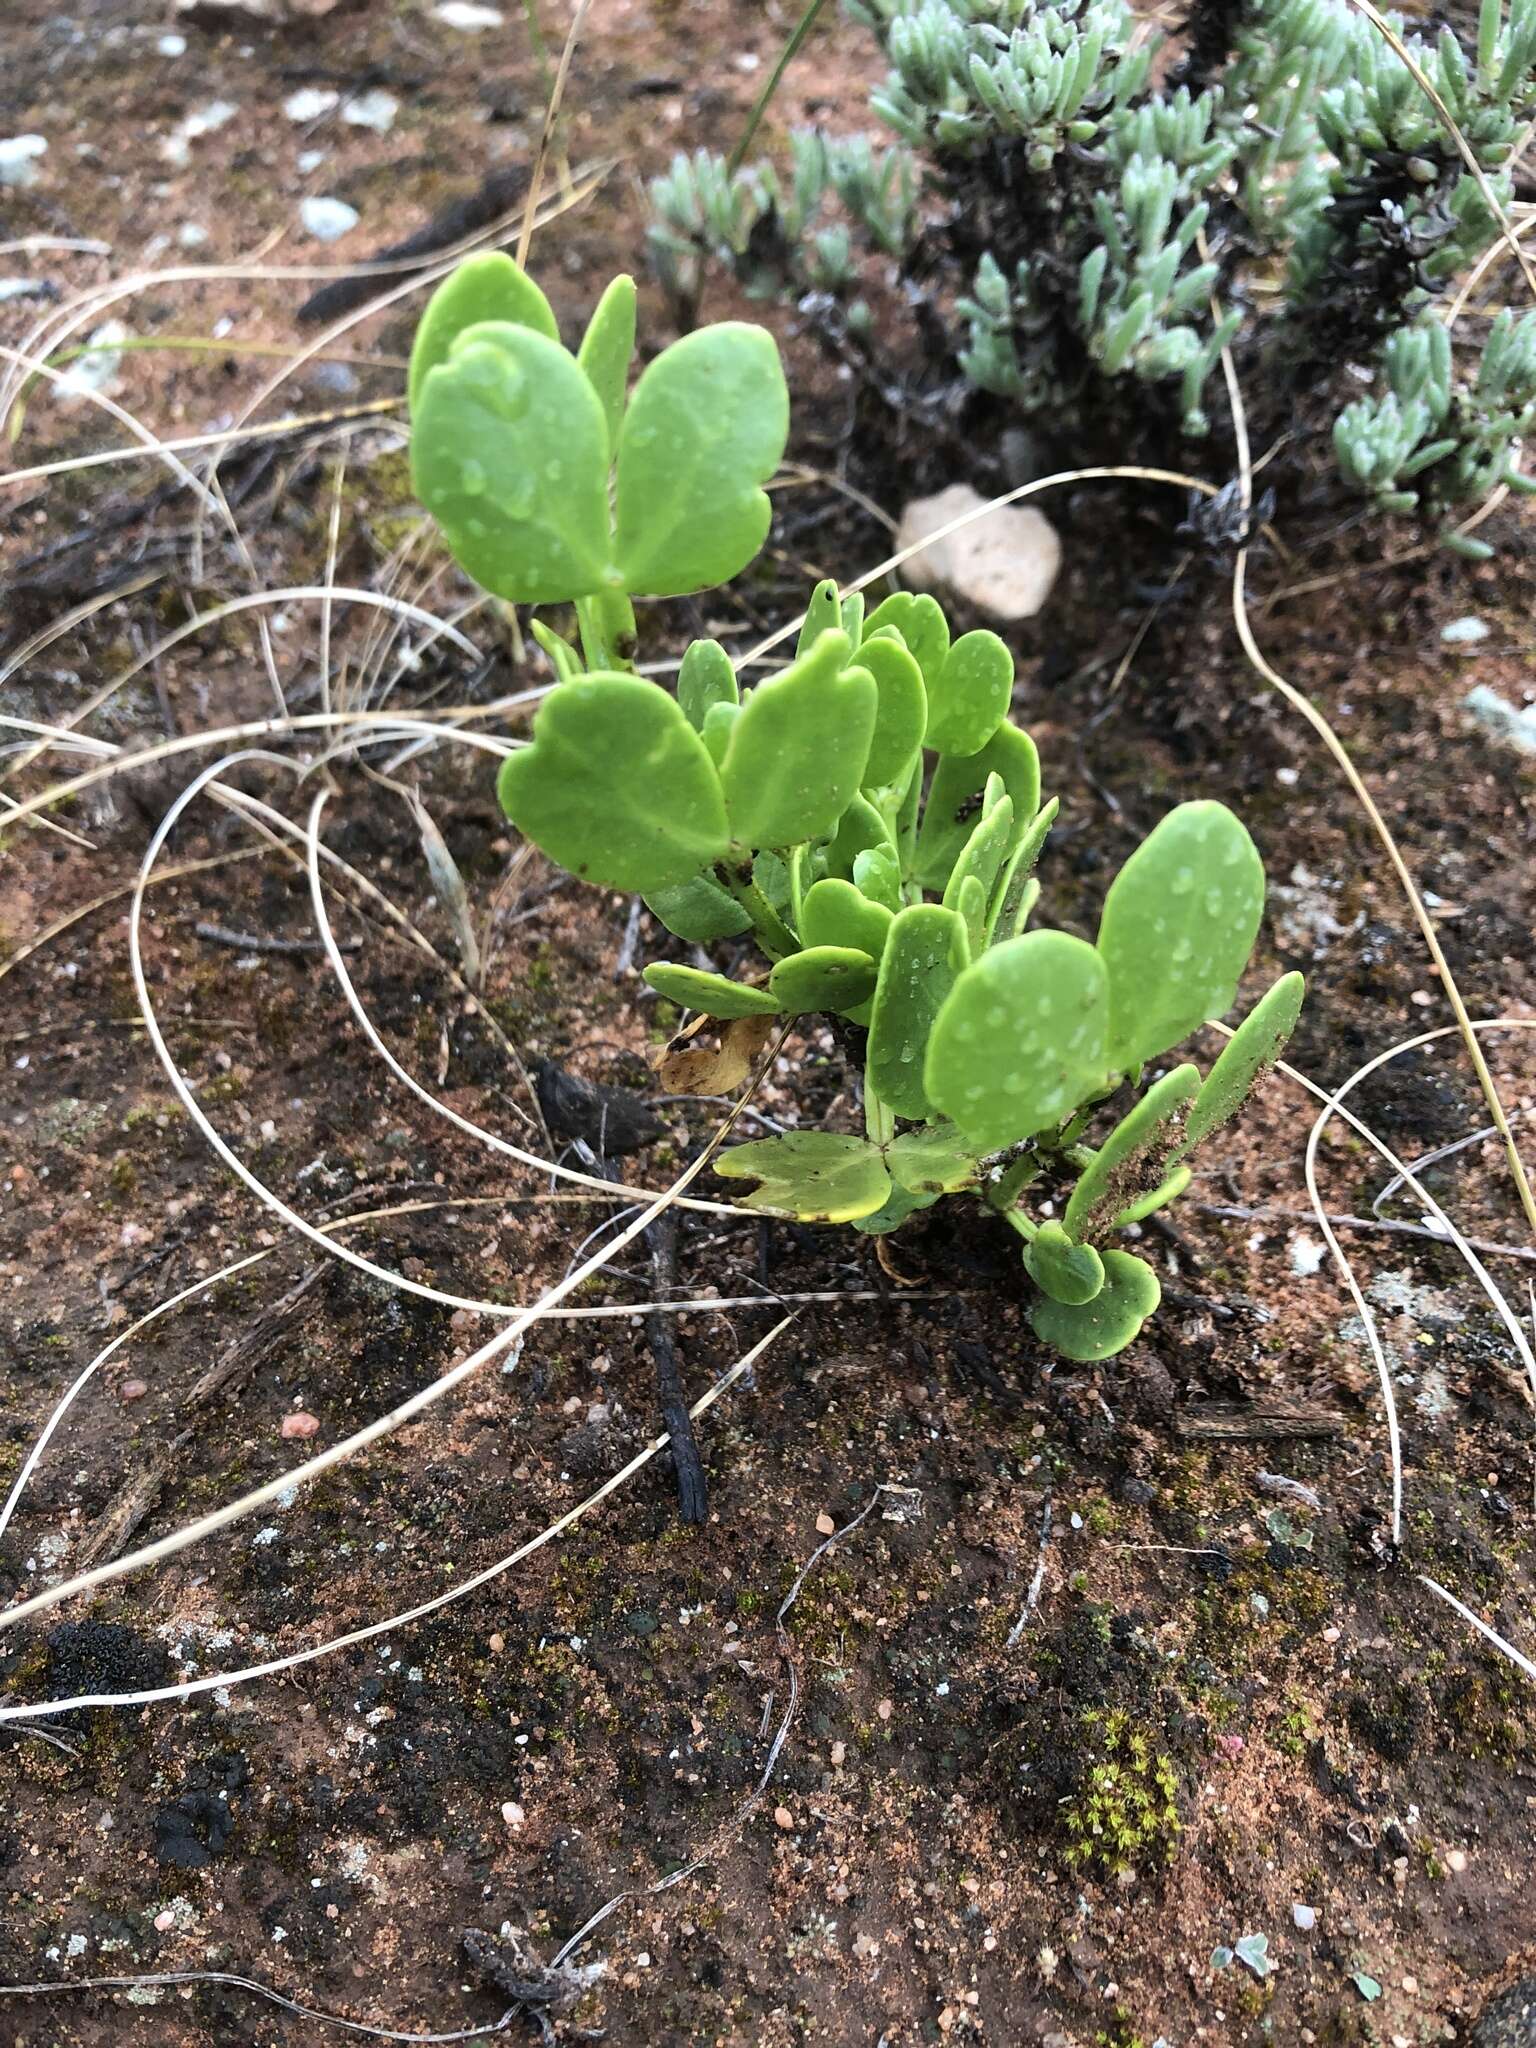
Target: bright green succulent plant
{"points": [[869, 814]]}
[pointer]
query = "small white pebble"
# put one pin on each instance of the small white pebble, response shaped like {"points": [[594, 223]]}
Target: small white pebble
{"points": [[1456, 1859], [309, 103], [327, 220], [1305, 1917], [467, 15], [513, 1815]]}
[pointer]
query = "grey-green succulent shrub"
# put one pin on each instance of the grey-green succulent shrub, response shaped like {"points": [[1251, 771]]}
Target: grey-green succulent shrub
{"points": [[870, 816], [1103, 202]]}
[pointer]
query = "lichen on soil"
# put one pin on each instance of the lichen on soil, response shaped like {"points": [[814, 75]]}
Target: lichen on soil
{"points": [[1217, 1720]]}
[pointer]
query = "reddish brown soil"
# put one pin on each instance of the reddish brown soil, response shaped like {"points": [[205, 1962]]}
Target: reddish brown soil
{"points": [[596, 1718]]}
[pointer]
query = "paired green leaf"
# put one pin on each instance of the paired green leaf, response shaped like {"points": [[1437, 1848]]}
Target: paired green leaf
{"points": [[1112, 1180], [824, 614], [950, 815], [817, 1176], [617, 786], [983, 854], [1068, 1272], [822, 978], [1179, 923], [1245, 1058], [1101, 1327], [797, 750], [1020, 1042], [835, 913], [509, 453], [935, 1161], [970, 700], [489, 287], [924, 953], [1014, 894], [607, 348], [923, 627], [699, 911], [901, 713], [704, 431], [705, 679], [694, 989]]}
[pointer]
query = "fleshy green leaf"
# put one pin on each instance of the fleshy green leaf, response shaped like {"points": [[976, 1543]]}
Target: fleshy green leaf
{"points": [[719, 724], [566, 661], [924, 953], [835, 913], [1158, 1198], [1120, 1171], [606, 350], [1101, 1327], [797, 750], [935, 1161], [900, 715], [1014, 894], [982, 856], [950, 814], [694, 989], [970, 899], [971, 698], [705, 679], [893, 1212], [876, 875], [509, 453], [822, 978], [1020, 1042], [617, 786], [1179, 923], [860, 829], [489, 287], [818, 1176], [852, 617], [704, 431], [1067, 1272], [1245, 1058], [823, 614], [699, 911], [923, 627]]}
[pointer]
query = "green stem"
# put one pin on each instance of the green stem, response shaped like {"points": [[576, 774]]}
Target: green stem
{"points": [[797, 36], [608, 636], [879, 1117], [1026, 1226], [1005, 1192], [773, 934]]}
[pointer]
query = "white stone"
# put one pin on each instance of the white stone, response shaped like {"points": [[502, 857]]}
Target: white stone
{"points": [[190, 235], [172, 46], [1003, 562], [1305, 1917], [469, 16], [309, 103], [328, 219], [1511, 722], [375, 110], [1465, 632], [177, 146], [18, 158]]}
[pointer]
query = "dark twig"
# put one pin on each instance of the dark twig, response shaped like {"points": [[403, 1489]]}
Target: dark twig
{"points": [[168, 1979], [692, 1486], [1235, 1212]]}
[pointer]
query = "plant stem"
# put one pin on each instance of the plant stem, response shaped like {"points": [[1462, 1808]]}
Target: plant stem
{"points": [[608, 637], [797, 36], [773, 934], [879, 1117]]}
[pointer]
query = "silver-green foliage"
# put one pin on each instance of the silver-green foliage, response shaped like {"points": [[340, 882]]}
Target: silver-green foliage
{"points": [[869, 814], [1306, 132]]}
